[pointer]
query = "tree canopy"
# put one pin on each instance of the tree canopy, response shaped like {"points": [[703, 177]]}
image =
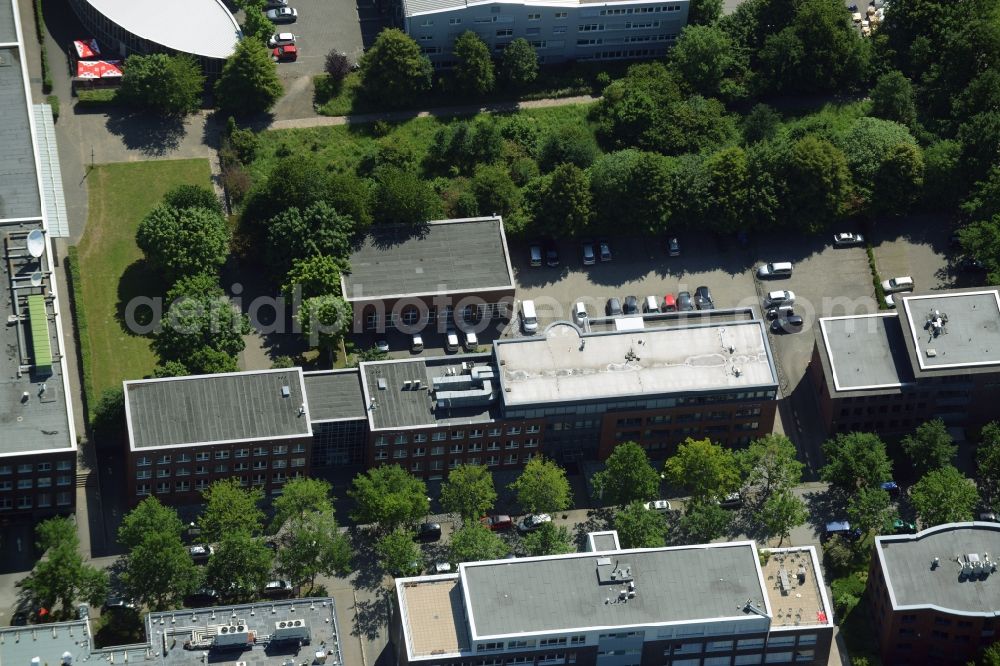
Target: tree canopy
{"points": [[474, 69], [542, 487], [988, 457], [229, 509], [930, 447], [871, 510], [856, 460], [398, 554], [770, 464], [474, 543], [300, 497], [170, 84], [240, 566], [60, 576], [549, 539], [627, 477], [394, 70], [705, 469], [704, 521], [640, 528], [296, 233], [389, 496], [313, 545], [184, 241], [249, 80], [943, 495], [781, 512], [519, 63], [148, 517], [469, 492]]}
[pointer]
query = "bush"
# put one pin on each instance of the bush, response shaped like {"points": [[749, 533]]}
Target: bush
{"points": [[53, 101], [172, 85], [337, 65], [96, 97], [572, 144], [236, 182], [847, 592]]}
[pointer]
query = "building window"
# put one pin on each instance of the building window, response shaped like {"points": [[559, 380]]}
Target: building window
{"points": [[162, 488], [260, 464], [475, 446], [437, 465], [222, 454], [162, 473], [476, 433], [299, 448], [421, 437], [63, 499], [202, 456], [6, 485], [242, 453], [416, 466], [533, 429], [439, 436], [457, 434], [492, 461], [280, 464], [437, 450], [44, 467], [747, 659], [183, 486], [142, 490], [63, 480], [280, 449], [183, 458], [454, 21], [534, 17], [426, 23], [381, 455], [778, 658], [381, 440], [512, 444], [455, 448], [494, 432], [24, 484], [399, 453], [143, 461], [6, 469], [222, 468], [493, 446], [505, 32], [260, 451], [511, 459], [399, 440], [419, 451], [144, 474], [561, 15], [201, 469], [62, 466]]}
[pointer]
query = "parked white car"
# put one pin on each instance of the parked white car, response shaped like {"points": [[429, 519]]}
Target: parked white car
{"points": [[281, 39], [657, 505], [892, 285], [783, 297]]}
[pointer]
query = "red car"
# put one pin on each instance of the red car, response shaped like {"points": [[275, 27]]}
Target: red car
{"points": [[285, 53], [497, 523]]}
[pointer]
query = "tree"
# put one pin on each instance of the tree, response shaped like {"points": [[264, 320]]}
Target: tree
{"points": [[726, 187], [398, 554], [159, 571], [866, 144], [324, 321], [194, 322], [770, 464], [469, 492], [704, 12], [990, 655], [761, 124], [249, 80], [495, 191], [229, 509], [561, 204], [168, 369], [206, 361], [568, 144], [172, 85], [855, 460], [183, 241], [149, 517], [892, 99], [193, 196], [108, 422], [988, 455], [542, 487], [465, 145], [930, 447], [475, 543], [240, 566], [983, 202], [393, 70], [401, 197], [816, 182], [632, 189], [317, 275], [943, 495], [899, 180], [704, 522], [337, 65], [703, 56], [549, 539], [640, 528], [313, 545], [781, 512], [256, 25], [389, 496], [693, 125], [519, 63], [300, 497], [943, 179], [474, 69], [60, 576], [981, 241], [978, 138], [316, 229], [627, 477], [703, 468], [870, 509]]}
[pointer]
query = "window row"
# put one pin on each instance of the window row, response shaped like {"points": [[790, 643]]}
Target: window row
{"points": [[441, 435], [164, 487], [222, 468], [439, 465], [39, 501], [219, 454], [28, 468], [40, 482]]}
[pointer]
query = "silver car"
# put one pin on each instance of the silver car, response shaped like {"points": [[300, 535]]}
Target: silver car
{"points": [[282, 15]]}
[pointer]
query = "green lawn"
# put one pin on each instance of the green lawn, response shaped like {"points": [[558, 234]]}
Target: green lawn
{"points": [[343, 147], [112, 270]]}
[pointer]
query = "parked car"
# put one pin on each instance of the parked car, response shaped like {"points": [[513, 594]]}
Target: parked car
{"points": [[846, 238], [789, 324], [580, 315], [657, 505], [703, 298], [532, 522], [277, 589], [604, 249], [890, 487], [286, 53], [780, 311], [631, 305], [116, 602], [903, 527], [19, 619], [418, 343], [685, 302], [587, 250], [613, 308], [841, 528], [968, 264], [280, 39], [890, 302], [200, 553], [275, 4], [892, 285], [777, 269], [535, 253], [551, 252], [781, 297], [669, 304], [988, 516], [731, 501], [498, 522], [282, 15], [441, 568], [428, 532], [673, 247], [382, 345]]}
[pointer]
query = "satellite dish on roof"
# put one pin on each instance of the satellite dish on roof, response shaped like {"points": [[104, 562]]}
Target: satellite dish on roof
{"points": [[36, 243], [36, 279]]}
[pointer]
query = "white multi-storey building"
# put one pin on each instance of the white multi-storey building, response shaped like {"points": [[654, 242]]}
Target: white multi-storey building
{"points": [[560, 30]]}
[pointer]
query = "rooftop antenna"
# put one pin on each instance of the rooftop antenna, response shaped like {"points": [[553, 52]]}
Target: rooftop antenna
{"points": [[36, 243], [749, 607]]}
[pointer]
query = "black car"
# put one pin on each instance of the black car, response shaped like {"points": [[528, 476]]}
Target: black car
{"points": [[535, 253], [631, 305], [551, 253], [428, 532], [613, 308], [673, 247], [703, 298], [684, 302], [789, 324]]}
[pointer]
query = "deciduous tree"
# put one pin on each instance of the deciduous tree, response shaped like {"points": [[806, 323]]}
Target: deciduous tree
{"points": [[172, 85], [240, 566], [640, 528], [324, 321], [474, 69], [300, 497], [149, 517], [704, 521], [388, 495], [159, 572], [627, 477], [256, 25], [183, 241], [568, 144], [703, 57], [469, 492], [542, 487], [816, 181], [704, 12], [549, 539], [892, 99], [519, 63], [871, 510], [401, 197], [230, 509], [780, 513], [196, 321], [561, 203], [943, 495], [855, 460], [394, 70], [930, 447], [193, 196], [398, 554], [495, 190], [988, 457], [316, 275], [703, 468], [475, 543], [899, 180], [60, 576], [300, 233], [249, 80], [770, 464], [313, 545]]}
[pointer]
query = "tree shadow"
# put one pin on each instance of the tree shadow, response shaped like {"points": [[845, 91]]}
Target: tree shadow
{"points": [[139, 285], [369, 574], [372, 615], [598, 520], [152, 135]]}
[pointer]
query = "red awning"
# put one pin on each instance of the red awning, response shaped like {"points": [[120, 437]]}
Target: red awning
{"points": [[86, 49], [99, 69]]}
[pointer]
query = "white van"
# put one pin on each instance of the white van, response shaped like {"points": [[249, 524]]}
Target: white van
{"points": [[451, 342], [529, 320], [778, 269], [651, 304], [580, 313], [418, 343], [470, 340]]}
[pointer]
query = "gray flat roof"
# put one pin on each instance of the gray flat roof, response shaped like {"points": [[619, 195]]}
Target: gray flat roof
{"points": [[201, 409], [906, 564], [334, 395], [400, 406], [865, 351], [464, 255], [564, 364], [562, 593], [969, 339], [8, 33], [48, 642], [19, 195]]}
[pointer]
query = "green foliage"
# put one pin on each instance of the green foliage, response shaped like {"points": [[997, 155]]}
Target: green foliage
{"points": [[324, 320], [394, 70], [243, 142], [988, 457], [770, 464], [495, 191], [159, 572], [847, 592], [469, 492], [53, 102], [367, 355], [463, 145], [816, 183], [398, 554], [313, 544], [855, 460], [388, 496], [171, 85], [704, 12], [892, 99], [249, 80], [475, 543], [183, 241], [194, 322], [193, 196], [704, 521], [256, 25], [781, 512], [569, 144], [561, 203], [108, 421], [60, 576], [760, 124], [978, 138], [149, 517], [702, 57], [300, 497], [640, 528], [401, 197], [981, 240], [930, 447], [627, 477], [549, 539], [704, 469], [519, 63], [542, 487], [726, 189], [474, 69], [632, 190], [316, 275], [866, 145], [695, 124], [207, 361], [231, 509], [631, 110], [298, 234], [240, 566], [943, 495], [337, 66], [838, 555], [899, 180], [871, 510], [990, 655]]}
